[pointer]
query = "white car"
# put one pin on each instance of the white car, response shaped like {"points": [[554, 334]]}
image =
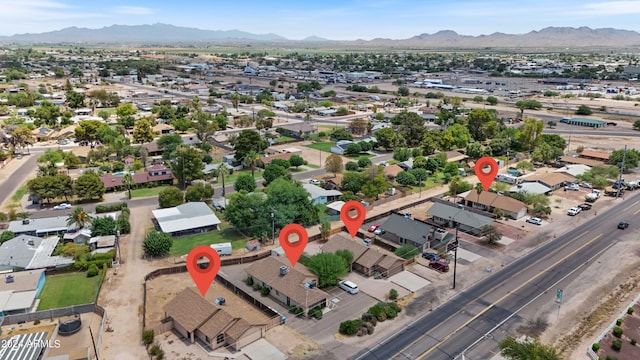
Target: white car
{"points": [[63, 206], [534, 220], [573, 211], [314, 182], [573, 187]]}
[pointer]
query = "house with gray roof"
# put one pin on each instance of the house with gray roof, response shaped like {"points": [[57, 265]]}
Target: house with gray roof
{"points": [[188, 218], [30, 252], [531, 188], [451, 215], [40, 227], [19, 291], [319, 195], [404, 230]]}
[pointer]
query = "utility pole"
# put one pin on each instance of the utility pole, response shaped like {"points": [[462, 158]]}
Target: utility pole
{"points": [[624, 155], [273, 227], [455, 256]]}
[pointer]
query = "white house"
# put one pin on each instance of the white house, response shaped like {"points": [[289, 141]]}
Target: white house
{"points": [[341, 147], [321, 196]]}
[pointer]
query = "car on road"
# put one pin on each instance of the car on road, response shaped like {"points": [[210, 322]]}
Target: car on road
{"points": [[573, 187], [63, 206], [314, 182], [431, 256], [439, 265], [379, 231], [534, 220], [373, 227], [623, 225], [574, 211]]}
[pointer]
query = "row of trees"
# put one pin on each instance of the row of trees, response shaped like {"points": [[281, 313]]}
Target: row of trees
{"points": [[88, 186]]}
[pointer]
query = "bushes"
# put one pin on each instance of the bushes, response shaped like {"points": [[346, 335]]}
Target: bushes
{"points": [[595, 347], [147, 336], [156, 351], [249, 280], [316, 312], [633, 342], [265, 291], [630, 310], [93, 270], [393, 294], [257, 286], [617, 331], [296, 310], [619, 322], [110, 208], [616, 345], [350, 327]]}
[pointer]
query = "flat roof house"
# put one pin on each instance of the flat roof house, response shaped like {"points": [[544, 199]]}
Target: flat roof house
{"points": [[187, 218], [401, 230], [40, 227], [288, 285], [194, 317], [19, 291], [489, 201], [453, 215], [321, 196], [30, 252]]}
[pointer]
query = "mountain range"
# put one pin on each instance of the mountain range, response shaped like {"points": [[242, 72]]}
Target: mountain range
{"points": [[550, 37]]}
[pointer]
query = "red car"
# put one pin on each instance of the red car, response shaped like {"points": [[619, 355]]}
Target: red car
{"points": [[439, 265], [374, 227]]}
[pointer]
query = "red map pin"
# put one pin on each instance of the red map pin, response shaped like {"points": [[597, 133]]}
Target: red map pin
{"points": [[293, 250], [353, 223], [203, 277], [486, 178]]}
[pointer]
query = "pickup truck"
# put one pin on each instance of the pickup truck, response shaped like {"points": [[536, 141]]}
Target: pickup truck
{"points": [[585, 206]]}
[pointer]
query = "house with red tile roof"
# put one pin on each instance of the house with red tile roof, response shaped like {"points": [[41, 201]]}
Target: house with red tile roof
{"points": [[157, 174]]}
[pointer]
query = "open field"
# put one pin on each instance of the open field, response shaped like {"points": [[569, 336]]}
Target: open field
{"points": [[322, 146], [69, 289]]}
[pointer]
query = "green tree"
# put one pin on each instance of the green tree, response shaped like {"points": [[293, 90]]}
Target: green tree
{"points": [[328, 267], [492, 100], [475, 150], [157, 244], [401, 154], [630, 159], [103, 225], [387, 138], [476, 120], [79, 218], [456, 135], [47, 113], [251, 160], [410, 126], [528, 105], [248, 213], [584, 110], [272, 172], [170, 197], [74, 99], [420, 175], [125, 114], [248, 140], [347, 255], [142, 132], [296, 161], [406, 178], [89, 186], [515, 349], [636, 125], [352, 150], [333, 164], [290, 203], [524, 165], [199, 192], [169, 143], [351, 166], [246, 182], [187, 165], [6, 236], [491, 233], [128, 182], [529, 132], [403, 91], [182, 124], [325, 230]]}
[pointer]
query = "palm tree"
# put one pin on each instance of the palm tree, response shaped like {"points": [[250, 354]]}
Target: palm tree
{"points": [[79, 217], [479, 189], [222, 171], [250, 160], [127, 180]]}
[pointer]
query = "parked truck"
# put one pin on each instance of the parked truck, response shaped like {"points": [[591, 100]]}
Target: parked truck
{"points": [[592, 196], [223, 249]]}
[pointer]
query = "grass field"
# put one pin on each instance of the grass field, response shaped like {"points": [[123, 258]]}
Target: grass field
{"points": [[283, 139], [230, 179], [146, 192], [69, 289], [182, 245], [322, 146], [22, 191]]}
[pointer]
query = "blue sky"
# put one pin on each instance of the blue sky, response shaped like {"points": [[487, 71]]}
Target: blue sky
{"points": [[337, 20]]}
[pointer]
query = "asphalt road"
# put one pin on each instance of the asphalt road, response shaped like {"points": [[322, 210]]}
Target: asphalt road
{"points": [[8, 187], [466, 321]]}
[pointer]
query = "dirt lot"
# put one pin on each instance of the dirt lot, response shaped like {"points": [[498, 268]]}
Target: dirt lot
{"points": [[163, 288]]}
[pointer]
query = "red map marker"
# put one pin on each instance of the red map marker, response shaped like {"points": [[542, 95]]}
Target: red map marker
{"points": [[353, 223], [203, 277], [295, 249], [486, 178]]}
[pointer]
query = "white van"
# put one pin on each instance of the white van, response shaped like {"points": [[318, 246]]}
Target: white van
{"points": [[348, 286], [507, 178]]}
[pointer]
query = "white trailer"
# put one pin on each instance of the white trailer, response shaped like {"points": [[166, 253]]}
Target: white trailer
{"points": [[223, 249]]}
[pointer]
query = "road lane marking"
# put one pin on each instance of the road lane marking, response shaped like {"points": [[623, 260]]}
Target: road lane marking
{"points": [[510, 293], [485, 293]]}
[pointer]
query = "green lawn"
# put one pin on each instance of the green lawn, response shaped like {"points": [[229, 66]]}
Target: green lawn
{"points": [[312, 166], [322, 146], [230, 179], [283, 139], [182, 245], [146, 192], [22, 191], [69, 289]]}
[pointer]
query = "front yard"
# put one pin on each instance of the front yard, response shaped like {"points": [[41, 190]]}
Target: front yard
{"points": [[182, 245], [147, 192], [322, 146], [69, 289]]}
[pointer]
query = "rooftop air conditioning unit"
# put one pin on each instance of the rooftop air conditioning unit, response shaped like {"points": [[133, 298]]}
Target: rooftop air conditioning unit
{"points": [[284, 270]]}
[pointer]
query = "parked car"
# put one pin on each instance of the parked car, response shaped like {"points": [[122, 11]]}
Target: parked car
{"points": [[623, 225], [63, 206], [585, 206], [379, 231], [348, 286], [574, 211], [439, 265], [314, 182], [431, 256], [534, 220], [586, 185], [373, 227], [367, 242], [573, 187], [217, 206]]}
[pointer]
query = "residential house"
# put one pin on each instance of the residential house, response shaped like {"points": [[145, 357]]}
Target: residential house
{"points": [[80, 237], [43, 134], [319, 195], [20, 290], [574, 169], [594, 155], [489, 201], [403, 230], [533, 187], [392, 171], [102, 244], [579, 160], [128, 160], [157, 173], [552, 180], [367, 261], [299, 129], [30, 252], [341, 146], [446, 214], [332, 182], [194, 317], [188, 218], [40, 227], [292, 286], [456, 157], [268, 159], [153, 149]]}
